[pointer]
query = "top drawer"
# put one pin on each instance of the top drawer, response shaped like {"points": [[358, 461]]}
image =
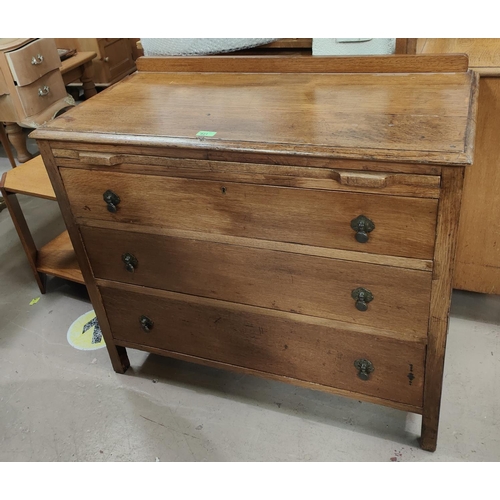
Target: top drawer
{"points": [[403, 226], [34, 60]]}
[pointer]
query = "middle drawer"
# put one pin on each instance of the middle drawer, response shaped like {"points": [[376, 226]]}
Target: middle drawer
{"points": [[393, 299], [32, 61]]}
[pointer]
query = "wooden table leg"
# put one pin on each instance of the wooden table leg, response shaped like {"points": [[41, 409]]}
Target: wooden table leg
{"points": [[89, 89], [24, 234], [6, 145], [18, 140]]}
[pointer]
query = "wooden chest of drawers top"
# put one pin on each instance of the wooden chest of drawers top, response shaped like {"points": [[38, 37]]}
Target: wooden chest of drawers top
{"points": [[396, 116], [295, 220]]}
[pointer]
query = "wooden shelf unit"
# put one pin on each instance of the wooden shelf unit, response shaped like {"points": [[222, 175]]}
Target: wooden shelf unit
{"points": [[56, 258]]}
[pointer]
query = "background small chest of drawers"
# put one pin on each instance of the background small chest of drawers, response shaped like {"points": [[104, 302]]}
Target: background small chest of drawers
{"points": [[31, 86], [264, 251], [115, 56]]}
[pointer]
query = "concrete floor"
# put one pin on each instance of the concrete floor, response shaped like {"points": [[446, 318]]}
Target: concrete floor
{"points": [[61, 404]]}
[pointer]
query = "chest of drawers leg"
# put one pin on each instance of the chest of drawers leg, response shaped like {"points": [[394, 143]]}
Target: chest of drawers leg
{"points": [[442, 286]]}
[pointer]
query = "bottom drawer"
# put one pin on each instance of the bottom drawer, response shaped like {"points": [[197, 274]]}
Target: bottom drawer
{"points": [[280, 343]]}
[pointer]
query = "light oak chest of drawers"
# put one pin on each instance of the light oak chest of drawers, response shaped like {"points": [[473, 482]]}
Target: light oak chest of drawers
{"points": [[310, 239], [32, 89]]}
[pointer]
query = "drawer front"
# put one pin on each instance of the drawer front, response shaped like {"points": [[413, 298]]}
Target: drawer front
{"points": [[266, 341], [42, 93], [304, 284], [33, 61], [404, 226]]}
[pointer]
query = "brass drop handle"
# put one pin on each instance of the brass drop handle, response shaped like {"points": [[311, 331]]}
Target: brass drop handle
{"points": [[38, 59], [130, 262], [362, 296], [364, 368], [112, 200], [362, 225], [146, 323]]}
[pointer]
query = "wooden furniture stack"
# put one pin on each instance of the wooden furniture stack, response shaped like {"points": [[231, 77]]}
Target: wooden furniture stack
{"points": [[115, 56], [32, 89], [293, 218]]}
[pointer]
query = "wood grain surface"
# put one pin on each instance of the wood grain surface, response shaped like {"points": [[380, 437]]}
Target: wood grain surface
{"points": [[271, 376], [303, 284], [317, 218], [330, 179], [257, 339], [117, 354], [153, 154], [442, 281], [394, 116], [478, 252], [333, 253], [58, 258], [478, 255], [30, 178], [400, 63], [483, 53]]}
